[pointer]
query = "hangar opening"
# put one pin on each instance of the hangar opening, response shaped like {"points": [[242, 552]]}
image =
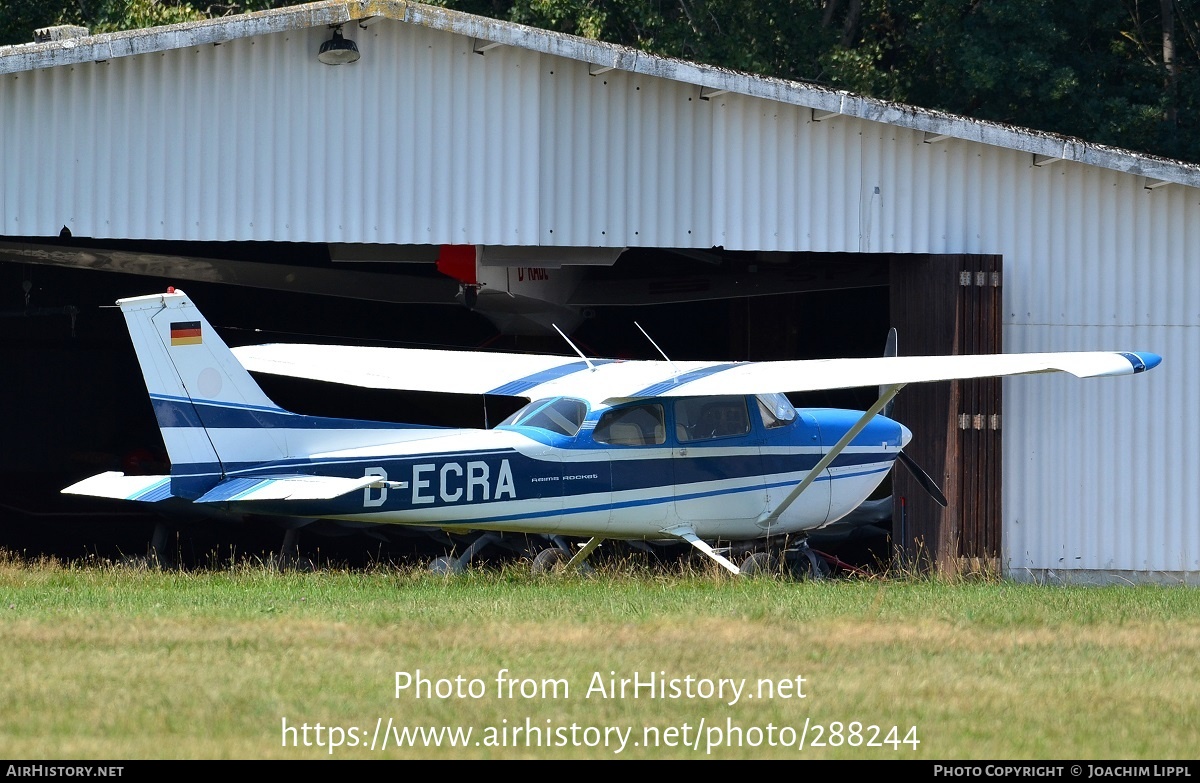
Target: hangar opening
{"points": [[82, 407]]}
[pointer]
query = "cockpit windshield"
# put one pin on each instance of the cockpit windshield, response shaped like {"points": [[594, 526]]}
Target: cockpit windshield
{"points": [[776, 410], [562, 415]]}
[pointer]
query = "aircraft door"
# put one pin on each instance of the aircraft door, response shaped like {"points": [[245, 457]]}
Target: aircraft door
{"points": [[635, 441], [717, 464]]}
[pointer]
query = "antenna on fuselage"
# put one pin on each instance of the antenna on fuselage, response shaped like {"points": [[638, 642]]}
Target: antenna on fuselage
{"points": [[591, 366], [661, 352]]}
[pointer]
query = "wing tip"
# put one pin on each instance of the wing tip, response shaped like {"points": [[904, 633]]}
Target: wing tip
{"points": [[1142, 360]]}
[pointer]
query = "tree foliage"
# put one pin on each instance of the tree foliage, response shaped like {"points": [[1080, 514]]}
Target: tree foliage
{"points": [[1124, 73], [1119, 72], [19, 18]]}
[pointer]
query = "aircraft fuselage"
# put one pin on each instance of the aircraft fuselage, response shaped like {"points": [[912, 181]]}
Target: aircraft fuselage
{"points": [[607, 478]]}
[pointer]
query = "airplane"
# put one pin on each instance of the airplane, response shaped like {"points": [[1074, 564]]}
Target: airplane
{"points": [[638, 450]]}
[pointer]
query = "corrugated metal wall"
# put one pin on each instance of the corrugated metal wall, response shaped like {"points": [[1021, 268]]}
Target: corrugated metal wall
{"points": [[1098, 474], [424, 141], [421, 141]]}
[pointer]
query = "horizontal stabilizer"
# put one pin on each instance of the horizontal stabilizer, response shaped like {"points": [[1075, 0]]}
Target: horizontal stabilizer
{"points": [[297, 487], [116, 485]]}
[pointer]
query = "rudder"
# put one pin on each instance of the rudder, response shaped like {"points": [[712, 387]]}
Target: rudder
{"points": [[212, 414]]}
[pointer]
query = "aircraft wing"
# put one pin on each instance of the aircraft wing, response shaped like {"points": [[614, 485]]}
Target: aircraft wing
{"points": [[536, 376], [411, 369], [818, 374]]}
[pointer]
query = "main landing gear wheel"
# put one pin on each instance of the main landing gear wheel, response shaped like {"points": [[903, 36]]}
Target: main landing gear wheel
{"points": [[760, 564], [447, 566], [550, 560]]}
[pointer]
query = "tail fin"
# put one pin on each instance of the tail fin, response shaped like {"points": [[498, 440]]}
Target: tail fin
{"points": [[213, 416]]}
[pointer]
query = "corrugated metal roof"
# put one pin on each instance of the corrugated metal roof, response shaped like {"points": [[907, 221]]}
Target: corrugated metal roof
{"points": [[108, 46]]}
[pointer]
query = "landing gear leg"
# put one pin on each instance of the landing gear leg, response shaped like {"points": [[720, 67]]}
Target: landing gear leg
{"points": [[687, 534], [289, 553], [549, 560], [456, 565], [804, 563], [160, 557], [289, 550], [582, 555]]}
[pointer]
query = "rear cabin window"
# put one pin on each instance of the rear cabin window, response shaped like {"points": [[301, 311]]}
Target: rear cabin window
{"points": [[704, 418], [636, 425]]}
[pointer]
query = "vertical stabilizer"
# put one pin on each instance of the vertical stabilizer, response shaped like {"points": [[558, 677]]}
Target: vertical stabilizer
{"points": [[213, 416]]}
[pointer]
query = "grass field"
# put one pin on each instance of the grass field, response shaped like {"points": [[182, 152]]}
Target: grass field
{"points": [[105, 662]]}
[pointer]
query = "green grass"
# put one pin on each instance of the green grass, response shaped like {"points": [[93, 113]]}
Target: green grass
{"points": [[104, 662]]}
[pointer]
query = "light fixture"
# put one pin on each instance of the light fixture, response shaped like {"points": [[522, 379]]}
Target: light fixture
{"points": [[338, 50]]}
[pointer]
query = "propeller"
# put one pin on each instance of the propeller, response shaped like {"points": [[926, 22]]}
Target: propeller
{"points": [[923, 478], [892, 348]]}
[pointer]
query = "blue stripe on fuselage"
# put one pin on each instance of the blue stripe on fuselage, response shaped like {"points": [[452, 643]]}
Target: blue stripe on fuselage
{"points": [[654, 501], [531, 479], [625, 473]]}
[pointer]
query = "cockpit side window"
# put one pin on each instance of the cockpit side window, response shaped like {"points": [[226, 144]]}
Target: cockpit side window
{"points": [[634, 425], [562, 415], [702, 418], [776, 410]]}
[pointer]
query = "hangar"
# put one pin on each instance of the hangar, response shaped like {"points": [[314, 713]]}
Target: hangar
{"points": [[321, 199]]}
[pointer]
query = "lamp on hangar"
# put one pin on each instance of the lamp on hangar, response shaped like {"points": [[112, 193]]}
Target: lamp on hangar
{"points": [[338, 50]]}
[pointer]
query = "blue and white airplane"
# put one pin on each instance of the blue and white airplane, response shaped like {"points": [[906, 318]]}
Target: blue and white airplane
{"points": [[637, 450]]}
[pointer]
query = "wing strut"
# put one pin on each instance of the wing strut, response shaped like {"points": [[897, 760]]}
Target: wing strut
{"points": [[768, 519]]}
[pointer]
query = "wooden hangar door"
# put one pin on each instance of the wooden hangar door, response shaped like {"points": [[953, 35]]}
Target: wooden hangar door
{"points": [[949, 304]]}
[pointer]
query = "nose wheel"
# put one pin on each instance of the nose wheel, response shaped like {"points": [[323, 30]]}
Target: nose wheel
{"points": [[805, 564]]}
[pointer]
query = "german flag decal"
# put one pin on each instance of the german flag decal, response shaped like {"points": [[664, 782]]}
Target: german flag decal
{"points": [[185, 333]]}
